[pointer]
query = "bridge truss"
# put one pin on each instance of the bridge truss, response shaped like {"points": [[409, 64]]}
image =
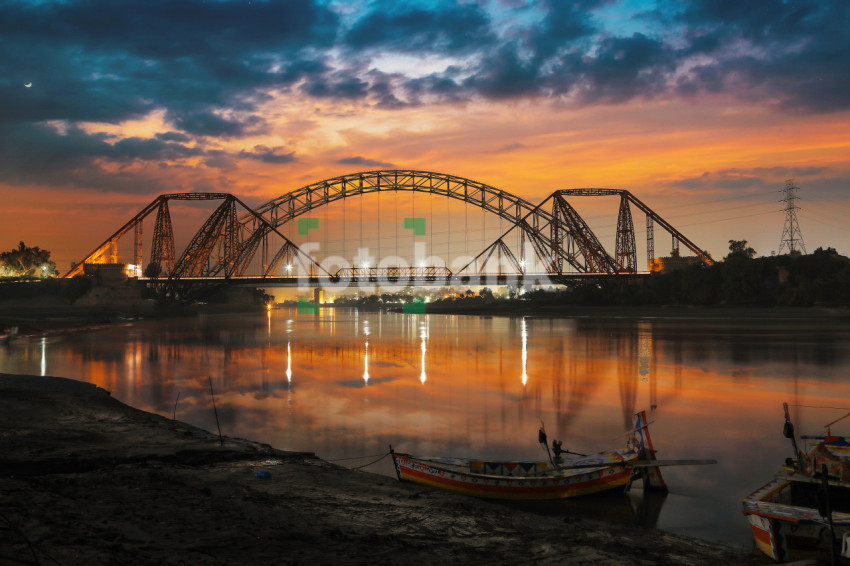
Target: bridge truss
{"points": [[235, 237]]}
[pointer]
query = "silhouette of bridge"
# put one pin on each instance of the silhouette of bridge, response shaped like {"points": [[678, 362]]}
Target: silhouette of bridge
{"points": [[544, 243]]}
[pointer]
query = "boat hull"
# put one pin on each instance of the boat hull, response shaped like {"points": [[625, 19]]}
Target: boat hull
{"points": [[788, 532], [544, 487]]}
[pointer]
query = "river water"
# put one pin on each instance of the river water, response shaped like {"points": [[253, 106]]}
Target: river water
{"points": [[345, 384]]}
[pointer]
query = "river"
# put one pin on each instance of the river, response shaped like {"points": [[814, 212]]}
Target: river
{"points": [[346, 384]]}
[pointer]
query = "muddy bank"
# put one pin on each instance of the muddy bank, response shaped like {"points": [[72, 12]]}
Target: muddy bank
{"points": [[85, 479]]}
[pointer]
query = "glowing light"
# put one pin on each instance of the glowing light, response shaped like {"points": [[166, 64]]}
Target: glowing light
{"points": [[288, 364], [289, 267], [43, 356], [366, 364], [423, 335], [524, 335]]}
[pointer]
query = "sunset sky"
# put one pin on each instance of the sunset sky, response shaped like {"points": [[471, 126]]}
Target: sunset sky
{"points": [[701, 108]]}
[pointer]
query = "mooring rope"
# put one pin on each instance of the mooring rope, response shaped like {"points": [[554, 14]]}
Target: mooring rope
{"points": [[381, 457], [355, 458]]}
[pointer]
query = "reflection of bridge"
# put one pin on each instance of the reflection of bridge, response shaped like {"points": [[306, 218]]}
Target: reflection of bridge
{"points": [[237, 243]]}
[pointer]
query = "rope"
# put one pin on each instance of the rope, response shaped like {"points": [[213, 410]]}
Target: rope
{"points": [[364, 465], [355, 458]]}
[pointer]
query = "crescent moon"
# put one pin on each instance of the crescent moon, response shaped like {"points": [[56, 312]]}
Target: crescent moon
{"points": [[28, 85]]}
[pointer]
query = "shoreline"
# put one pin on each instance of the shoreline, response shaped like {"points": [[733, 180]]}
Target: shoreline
{"points": [[88, 480]]}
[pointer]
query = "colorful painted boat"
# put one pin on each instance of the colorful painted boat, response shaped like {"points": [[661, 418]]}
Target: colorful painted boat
{"points": [[8, 334], [561, 477], [804, 512]]}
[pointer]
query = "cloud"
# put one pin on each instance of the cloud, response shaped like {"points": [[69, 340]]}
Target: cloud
{"points": [[515, 146], [756, 178], [505, 75], [362, 161], [403, 27], [100, 61], [624, 68], [274, 155], [792, 54], [213, 68], [211, 124], [339, 85]]}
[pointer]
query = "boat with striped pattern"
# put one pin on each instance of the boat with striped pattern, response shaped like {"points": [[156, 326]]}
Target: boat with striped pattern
{"points": [[560, 477]]}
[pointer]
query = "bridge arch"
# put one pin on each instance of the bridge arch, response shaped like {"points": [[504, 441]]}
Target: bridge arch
{"points": [[535, 222], [300, 201]]}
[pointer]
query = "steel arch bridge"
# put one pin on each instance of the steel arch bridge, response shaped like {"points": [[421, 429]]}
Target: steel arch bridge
{"points": [[235, 235]]}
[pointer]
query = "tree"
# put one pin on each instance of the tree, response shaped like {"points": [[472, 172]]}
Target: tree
{"points": [[25, 261], [739, 248]]}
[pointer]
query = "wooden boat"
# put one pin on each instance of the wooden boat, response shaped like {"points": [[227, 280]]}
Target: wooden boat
{"points": [[560, 477], [804, 512], [8, 334]]}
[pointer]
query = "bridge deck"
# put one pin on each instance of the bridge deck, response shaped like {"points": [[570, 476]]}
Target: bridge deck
{"points": [[534, 279]]}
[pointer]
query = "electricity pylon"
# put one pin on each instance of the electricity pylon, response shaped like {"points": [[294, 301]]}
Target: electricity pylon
{"points": [[792, 238]]}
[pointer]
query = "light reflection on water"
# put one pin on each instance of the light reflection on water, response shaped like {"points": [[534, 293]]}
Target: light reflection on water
{"points": [[347, 383]]}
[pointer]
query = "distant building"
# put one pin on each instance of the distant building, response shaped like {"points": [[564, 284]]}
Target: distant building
{"points": [[319, 296], [110, 272], [672, 263]]}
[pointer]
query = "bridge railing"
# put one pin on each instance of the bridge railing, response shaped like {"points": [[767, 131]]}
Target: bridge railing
{"points": [[390, 273]]}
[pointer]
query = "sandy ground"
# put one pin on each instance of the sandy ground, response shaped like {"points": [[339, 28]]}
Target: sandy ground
{"points": [[85, 479]]}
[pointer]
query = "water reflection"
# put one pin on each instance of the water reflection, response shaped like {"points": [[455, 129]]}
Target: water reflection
{"points": [[288, 362], [423, 335], [43, 356], [717, 387], [366, 364], [524, 336]]}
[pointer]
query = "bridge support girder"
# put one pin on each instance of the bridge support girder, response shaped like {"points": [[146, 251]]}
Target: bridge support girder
{"points": [[625, 249]]}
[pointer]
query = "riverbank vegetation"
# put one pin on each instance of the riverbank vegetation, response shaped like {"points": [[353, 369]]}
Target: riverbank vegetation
{"points": [[821, 278], [25, 261]]}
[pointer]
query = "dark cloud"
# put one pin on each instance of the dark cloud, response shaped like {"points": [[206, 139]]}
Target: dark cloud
{"points": [[564, 23], [505, 74], [795, 54], [150, 150], [98, 161], [625, 68], [756, 178], [103, 61], [173, 136], [446, 28], [276, 155], [363, 162], [210, 124], [340, 85], [209, 65], [445, 86]]}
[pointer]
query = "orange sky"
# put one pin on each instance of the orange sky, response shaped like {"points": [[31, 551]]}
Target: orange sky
{"points": [[83, 154]]}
